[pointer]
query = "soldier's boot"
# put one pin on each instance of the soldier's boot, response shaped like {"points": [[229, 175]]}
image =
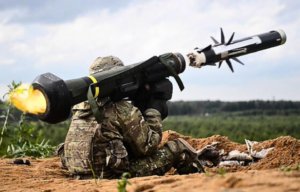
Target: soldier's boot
{"points": [[185, 157]]}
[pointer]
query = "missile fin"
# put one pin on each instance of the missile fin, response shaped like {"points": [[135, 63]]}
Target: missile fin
{"points": [[215, 41], [205, 49], [222, 37], [237, 60], [231, 38], [220, 63], [229, 65]]}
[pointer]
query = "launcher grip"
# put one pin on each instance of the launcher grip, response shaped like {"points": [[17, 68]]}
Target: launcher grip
{"points": [[162, 90]]}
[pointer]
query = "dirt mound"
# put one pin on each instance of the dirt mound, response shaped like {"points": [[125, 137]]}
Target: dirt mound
{"points": [[286, 150], [223, 142], [46, 174]]}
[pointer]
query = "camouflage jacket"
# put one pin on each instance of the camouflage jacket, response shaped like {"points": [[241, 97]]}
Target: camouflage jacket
{"points": [[90, 144]]}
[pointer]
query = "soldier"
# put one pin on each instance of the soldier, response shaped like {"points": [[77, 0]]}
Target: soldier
{"points": [[125, 140]]}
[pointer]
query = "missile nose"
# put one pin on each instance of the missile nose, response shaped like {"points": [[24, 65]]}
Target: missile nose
{"points": [[283, 36]]}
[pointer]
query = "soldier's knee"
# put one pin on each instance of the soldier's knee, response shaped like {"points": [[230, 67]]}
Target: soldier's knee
{"points": [[148, 147]]}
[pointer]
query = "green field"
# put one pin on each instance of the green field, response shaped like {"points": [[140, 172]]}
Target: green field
{"points": [[236, 128]]}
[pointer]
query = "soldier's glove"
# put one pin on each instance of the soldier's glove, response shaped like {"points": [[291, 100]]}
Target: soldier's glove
{"points": [[159, 105]]}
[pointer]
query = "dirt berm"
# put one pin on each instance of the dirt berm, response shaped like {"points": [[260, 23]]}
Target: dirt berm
{"points": [[46, 175]]}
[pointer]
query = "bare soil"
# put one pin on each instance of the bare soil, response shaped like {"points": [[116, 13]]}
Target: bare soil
{"points": [[46, 174]]}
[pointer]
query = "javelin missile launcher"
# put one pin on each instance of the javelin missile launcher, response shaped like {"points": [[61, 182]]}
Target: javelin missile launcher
{"points": [[124, 82]]}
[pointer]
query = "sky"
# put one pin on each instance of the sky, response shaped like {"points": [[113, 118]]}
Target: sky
{"points": [[64, 37]]}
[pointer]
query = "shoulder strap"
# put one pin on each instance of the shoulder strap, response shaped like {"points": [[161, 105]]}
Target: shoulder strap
{"points": [[173, 73], [97, 113]]}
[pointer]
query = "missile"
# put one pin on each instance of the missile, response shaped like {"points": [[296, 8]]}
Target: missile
{"points": [[231, 49]]}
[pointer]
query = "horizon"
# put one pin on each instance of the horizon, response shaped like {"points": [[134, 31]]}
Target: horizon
{"points": [[208, 100]]}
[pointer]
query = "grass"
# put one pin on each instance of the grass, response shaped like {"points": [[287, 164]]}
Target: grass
{"points": [[290, 168], [222, 172], [124, 182]]}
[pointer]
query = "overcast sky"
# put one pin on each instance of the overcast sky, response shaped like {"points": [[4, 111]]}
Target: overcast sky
{"points": [[65, 36]]}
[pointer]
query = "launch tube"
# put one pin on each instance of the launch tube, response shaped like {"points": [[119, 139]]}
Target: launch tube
{"points": [[117, 84]]}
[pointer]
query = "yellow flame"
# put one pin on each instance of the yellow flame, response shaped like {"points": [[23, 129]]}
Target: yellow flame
{"points": [[25, 98]]}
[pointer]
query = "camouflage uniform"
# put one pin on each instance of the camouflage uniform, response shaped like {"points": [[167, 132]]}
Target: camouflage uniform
{"points": [[124, 142]]}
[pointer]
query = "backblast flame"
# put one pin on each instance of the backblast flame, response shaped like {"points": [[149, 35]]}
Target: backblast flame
{"points": [[28, 99]]}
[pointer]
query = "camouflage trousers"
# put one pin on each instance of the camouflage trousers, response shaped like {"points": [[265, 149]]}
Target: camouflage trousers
{"points": [[112, 165], [157, 164]]}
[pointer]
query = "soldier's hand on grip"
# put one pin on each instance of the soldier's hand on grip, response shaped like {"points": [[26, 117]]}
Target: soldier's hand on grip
{"points": [[159, 105]]}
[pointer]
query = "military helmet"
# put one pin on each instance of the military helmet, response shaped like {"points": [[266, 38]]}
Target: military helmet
{"points": [[105, 64]]}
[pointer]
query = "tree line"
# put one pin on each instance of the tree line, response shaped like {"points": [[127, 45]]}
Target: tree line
{"points": [[254, 107]]}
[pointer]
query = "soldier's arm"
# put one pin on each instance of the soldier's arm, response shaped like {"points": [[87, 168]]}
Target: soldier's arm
{"points": [[143, 135], [153, 118]]}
